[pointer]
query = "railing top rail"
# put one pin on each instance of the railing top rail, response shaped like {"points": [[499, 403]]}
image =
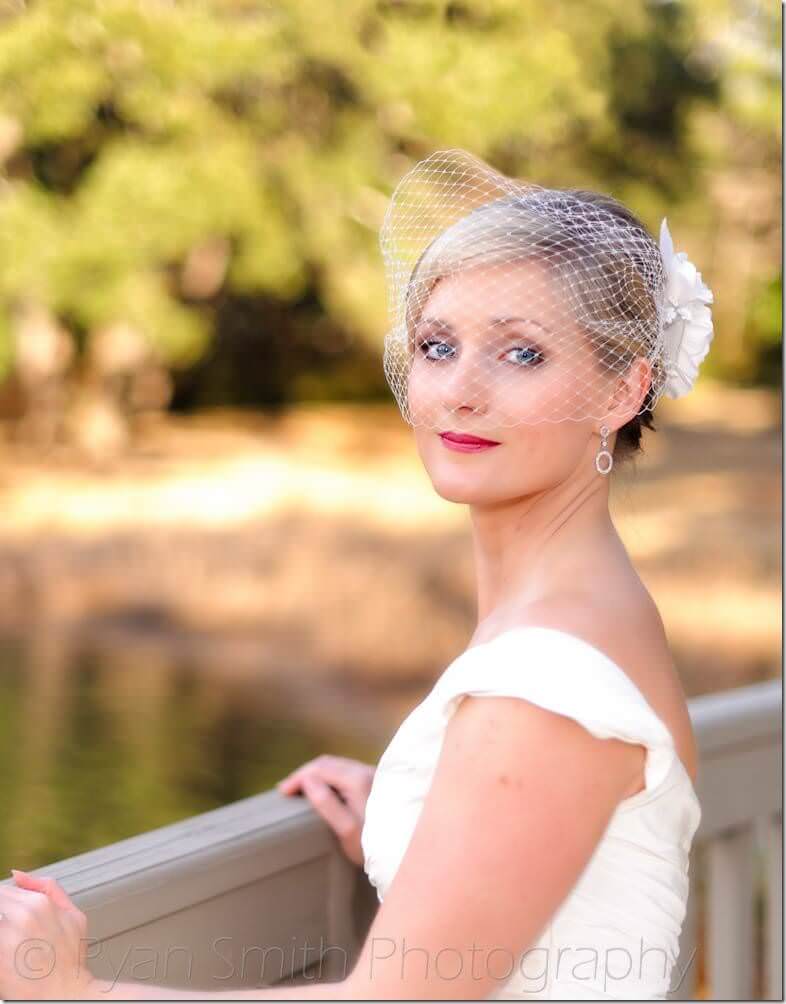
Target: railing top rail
{"points": [[738, 716]]}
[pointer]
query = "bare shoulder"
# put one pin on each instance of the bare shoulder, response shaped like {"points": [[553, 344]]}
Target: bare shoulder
{"points": [[628, 628]]}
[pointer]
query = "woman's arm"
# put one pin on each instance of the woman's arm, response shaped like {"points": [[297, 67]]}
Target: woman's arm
{"points": [[519, 800]]}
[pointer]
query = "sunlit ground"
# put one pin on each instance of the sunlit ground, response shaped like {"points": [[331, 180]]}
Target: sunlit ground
{"points": [[316, 542]]}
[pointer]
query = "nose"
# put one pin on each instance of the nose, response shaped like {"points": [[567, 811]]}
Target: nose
{"points": [[462, 386]]}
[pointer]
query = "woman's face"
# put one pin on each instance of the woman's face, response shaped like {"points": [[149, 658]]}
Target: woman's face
{"points": [[498, 355]]}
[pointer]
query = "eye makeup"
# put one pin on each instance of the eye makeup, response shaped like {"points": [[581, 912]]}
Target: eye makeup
{"points": [[442, 334]]}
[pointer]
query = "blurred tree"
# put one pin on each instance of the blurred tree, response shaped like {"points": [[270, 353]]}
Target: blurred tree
{"points": [[180, 176]]}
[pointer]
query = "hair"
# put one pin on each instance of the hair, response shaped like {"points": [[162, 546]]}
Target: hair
{"points": [[555, 227]]}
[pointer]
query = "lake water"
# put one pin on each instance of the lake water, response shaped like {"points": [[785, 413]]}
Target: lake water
{"points": [[99, 744]]}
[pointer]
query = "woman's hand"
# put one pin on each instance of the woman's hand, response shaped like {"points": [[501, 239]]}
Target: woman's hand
{"points": [[43, 942], [343, 809]]}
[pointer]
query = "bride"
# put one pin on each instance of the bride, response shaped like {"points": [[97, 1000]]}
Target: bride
{"points": [[533, 844]]}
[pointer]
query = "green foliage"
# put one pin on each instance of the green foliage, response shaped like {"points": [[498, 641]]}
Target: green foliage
{"points": [[763, 331], [132, 133]]}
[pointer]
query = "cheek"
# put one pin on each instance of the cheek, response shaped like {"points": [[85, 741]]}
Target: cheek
{"points": [[421, 392], [545, 451], [546, 395], [427, 444]]}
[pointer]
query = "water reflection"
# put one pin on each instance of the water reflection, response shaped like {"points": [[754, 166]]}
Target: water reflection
{"points": [[99, 745]]}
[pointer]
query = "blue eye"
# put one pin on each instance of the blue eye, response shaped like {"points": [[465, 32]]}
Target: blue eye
{"points": [[426, 345], [534, 359], [535, 352]]}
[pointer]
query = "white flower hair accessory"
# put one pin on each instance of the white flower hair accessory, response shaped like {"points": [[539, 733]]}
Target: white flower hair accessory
{"points": [[687, 319]]}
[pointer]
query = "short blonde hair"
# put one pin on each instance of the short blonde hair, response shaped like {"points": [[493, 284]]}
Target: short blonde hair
{"points": [[616, 291]]}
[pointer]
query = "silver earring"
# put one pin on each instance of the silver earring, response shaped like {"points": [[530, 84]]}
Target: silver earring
{"points": [[603, 459]]}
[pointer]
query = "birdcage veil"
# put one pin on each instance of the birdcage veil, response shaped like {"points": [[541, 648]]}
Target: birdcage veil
{"points": [[521, 302]]}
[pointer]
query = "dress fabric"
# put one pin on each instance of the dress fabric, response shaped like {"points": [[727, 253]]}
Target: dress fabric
{"points": [[616, 934]]}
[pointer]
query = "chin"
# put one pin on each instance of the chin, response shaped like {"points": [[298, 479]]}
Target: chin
{"points": [[458, 489]]}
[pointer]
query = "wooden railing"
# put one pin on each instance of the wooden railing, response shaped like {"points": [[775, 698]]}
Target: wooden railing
{"points": [[734, 920], [251, 894], [258, 892]]}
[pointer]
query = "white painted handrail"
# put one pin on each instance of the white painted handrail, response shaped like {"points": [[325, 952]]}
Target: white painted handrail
{"points": [[254, 893], [737, 855]]}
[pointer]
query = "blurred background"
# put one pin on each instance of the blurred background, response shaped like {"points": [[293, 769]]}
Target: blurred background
{"points": [[219, 554]]}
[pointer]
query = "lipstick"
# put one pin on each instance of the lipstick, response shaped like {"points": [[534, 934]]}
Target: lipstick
{"points": [[463, 443]]}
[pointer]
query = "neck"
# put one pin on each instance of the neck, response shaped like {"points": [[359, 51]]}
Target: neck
{"points": [[528, 548]]}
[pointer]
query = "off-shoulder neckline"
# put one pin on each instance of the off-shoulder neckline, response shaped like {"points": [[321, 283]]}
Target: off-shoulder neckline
{"points": [[639, 796]]}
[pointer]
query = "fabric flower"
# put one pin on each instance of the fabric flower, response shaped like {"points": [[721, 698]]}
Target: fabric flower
{"points": [[687, 320]]}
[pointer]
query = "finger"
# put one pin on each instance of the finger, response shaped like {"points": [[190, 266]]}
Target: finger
{"points": [[20, 895], [69, 915], [324, 760], [337, 815], [348, 778], [339, 763], [49, 887], [294, 784], [294, 781], [290, 784], [295, 777]]}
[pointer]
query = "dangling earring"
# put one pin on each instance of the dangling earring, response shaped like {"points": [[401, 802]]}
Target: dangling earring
{"points": [[603, 459]]}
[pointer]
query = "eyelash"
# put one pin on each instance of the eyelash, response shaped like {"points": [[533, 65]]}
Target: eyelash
{"points": [[428, 342]]}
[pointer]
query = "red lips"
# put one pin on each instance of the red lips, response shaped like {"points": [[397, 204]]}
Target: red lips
{"points": [[458, 437]]}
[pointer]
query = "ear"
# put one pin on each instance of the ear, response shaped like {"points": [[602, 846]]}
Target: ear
{"points": [[630, 391]]}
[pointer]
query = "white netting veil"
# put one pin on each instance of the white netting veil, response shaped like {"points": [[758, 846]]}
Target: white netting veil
{"points": [[512, 303]]}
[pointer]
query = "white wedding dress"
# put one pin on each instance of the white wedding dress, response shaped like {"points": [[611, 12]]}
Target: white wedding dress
{"points": [[616, 935]]}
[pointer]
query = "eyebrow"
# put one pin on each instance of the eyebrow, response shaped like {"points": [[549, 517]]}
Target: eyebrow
{"points": [[495, 322]]}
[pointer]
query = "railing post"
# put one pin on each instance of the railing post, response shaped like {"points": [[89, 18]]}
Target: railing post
{"points": [[731, 858], [773, 924], [342, 937]]}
